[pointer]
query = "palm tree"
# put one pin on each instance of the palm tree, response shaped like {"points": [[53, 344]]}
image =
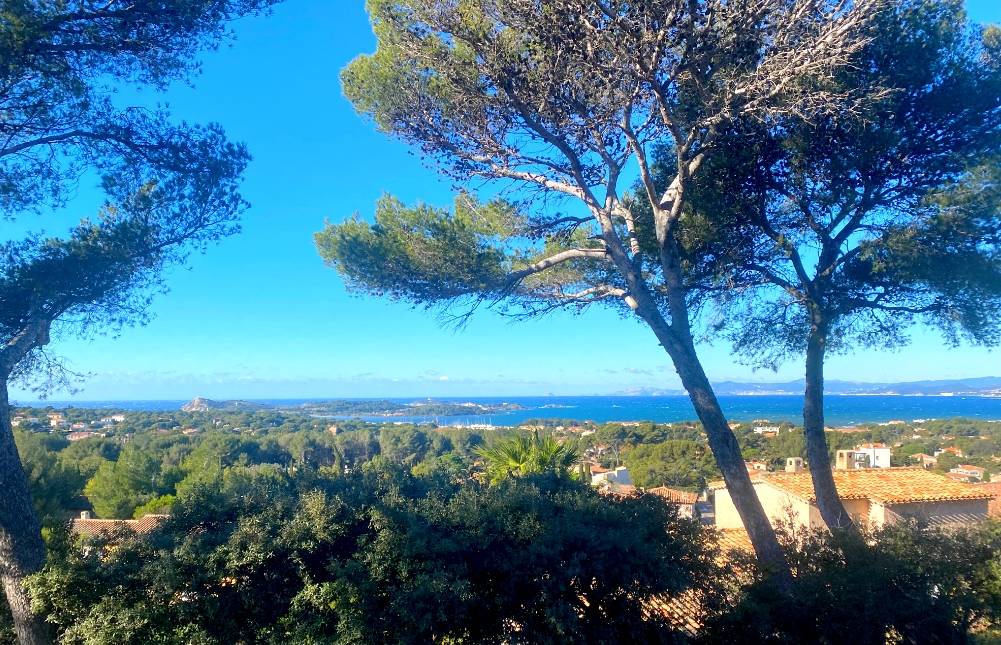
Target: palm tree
{"points": [[549, 455], [524, 455]]}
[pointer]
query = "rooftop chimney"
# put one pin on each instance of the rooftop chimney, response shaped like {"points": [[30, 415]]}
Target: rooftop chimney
{"points": [[84, 515], [794, 464]]}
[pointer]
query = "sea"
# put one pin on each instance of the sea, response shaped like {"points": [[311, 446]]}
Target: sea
{"points": [[840, 410]]}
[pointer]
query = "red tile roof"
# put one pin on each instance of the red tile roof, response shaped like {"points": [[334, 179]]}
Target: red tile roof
{"points": [[687, 611], [884, 485], [674, 496], [103, 528], [735, 540]]}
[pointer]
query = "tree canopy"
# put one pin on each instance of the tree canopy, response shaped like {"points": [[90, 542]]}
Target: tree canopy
{"points": [[560, 101], [845, 229], [61, 63], [379, 557], [170, 187]]}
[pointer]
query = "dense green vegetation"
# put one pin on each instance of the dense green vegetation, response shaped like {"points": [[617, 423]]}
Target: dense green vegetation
{"points": [[285, 528], [902, 586], [145, 460], [142, 462], [264, 556]]}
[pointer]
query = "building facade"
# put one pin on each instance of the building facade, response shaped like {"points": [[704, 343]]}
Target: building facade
{"points": [[875, 497]]}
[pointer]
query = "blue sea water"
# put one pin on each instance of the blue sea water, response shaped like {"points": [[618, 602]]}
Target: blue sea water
{"points": [[840, 409]]}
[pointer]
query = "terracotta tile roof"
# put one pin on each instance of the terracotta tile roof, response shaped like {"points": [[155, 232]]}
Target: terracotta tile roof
{"points": [[884, 485], [103, 528], [613, 488], [755, 475], [687, 611], [735, 540], [674, 495]]}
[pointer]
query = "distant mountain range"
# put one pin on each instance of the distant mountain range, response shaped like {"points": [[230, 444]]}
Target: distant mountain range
{"points": [[982, 386]]}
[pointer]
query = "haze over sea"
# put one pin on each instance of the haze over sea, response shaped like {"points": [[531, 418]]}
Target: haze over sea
{"points": [[839, 409]]}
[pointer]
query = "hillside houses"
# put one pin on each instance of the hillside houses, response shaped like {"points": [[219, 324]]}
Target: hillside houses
{"points": [[924, 460]]}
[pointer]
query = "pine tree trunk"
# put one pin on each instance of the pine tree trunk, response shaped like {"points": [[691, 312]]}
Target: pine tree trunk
{"points": [[832, 510], [728, 457], [22, 551]]}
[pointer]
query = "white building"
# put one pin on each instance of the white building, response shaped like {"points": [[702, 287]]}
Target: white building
{"points": [[618, 476], [966, 470], [877, 454]]}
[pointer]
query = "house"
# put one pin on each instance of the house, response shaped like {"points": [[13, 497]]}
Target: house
{"points": [[86, 434], [994, 506], [877, 453], [876, 496], [850, 460], [847, 429], [597, 450], [923, 460], [971, 472], [87, 526], [952, 450], [612, 488], [620, 475], [756, 465], [868, 455], [766, 430], [683, 499]]}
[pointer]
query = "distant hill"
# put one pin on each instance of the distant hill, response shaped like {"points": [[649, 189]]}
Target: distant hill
{"points": [[354, 408], [199, 404], [981, 386], [984, 386]]}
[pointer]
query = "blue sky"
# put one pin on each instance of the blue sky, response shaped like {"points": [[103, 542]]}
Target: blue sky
{"points": [[259, 316]]}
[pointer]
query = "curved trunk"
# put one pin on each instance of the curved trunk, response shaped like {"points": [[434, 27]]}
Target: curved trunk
{"points": [[832, 510], [22, 551], [676, 338], [730, 461]]}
